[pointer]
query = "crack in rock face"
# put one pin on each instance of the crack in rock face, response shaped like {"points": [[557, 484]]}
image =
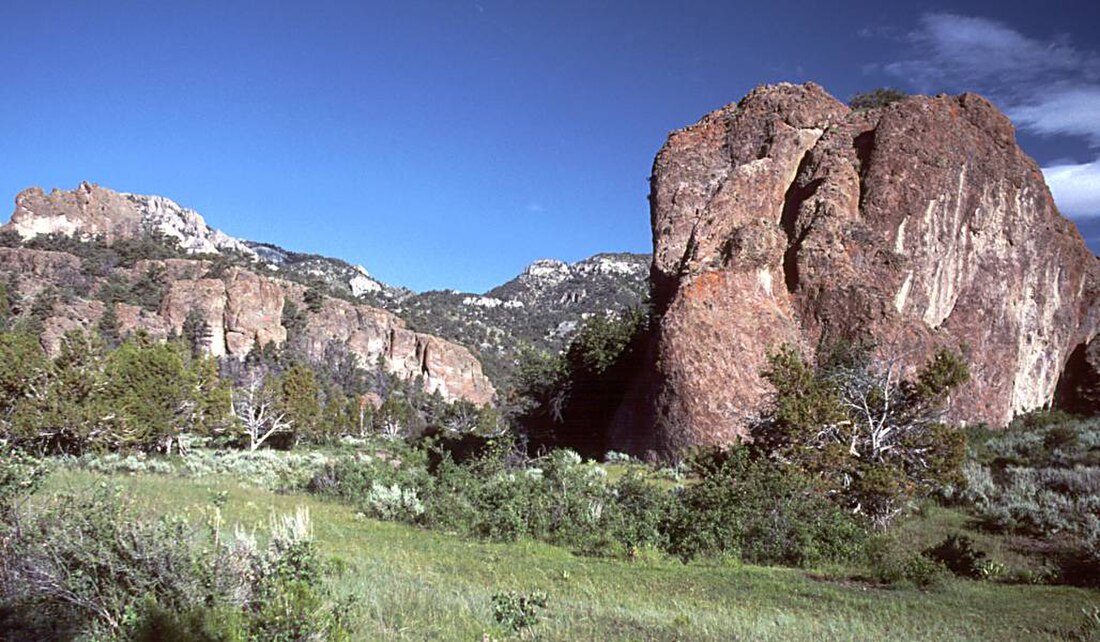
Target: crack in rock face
{"points": [[918, 225]]}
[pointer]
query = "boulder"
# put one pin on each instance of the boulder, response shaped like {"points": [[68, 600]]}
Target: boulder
{"points": [[788, 218]]}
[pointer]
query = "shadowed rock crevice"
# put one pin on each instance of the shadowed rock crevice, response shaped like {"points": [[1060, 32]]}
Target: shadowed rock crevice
{"points": [[1078, 389], [864, 145], [796, 195]]}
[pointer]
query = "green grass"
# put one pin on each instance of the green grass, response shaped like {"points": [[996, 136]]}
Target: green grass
{"points": [[417, 585], [934, 523]]}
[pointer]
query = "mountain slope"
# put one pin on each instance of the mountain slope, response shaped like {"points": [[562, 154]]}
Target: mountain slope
{"points": [[540, 308]]}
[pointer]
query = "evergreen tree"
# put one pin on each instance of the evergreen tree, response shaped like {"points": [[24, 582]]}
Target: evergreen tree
{"points": [[115, 290], [298, 399], [10, 238], [395, 417], [872, 438], [196, 332], [149, 290], [42, 308], [24, 373], [67, 414], [211, 398], [294, 320], [340, 416], [150, 391], [107, 327]]}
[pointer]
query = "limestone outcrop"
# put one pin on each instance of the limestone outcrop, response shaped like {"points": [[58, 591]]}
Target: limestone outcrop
{"points": [[788, 218], [92, 211]]}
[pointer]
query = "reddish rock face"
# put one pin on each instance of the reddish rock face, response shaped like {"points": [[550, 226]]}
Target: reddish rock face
{"points": [[244, 311], [788, 218]]}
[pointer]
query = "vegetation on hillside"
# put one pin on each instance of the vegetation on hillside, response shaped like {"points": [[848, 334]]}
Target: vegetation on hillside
{"points": [[569, 398], [876, 98], [528, 314]]}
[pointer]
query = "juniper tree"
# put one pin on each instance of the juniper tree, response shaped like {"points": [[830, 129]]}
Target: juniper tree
{"points": [[873, 437], [196, 332]]}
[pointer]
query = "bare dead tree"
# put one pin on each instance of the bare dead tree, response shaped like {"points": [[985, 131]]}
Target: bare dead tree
{"points": [[871, 424], [258, 413], [885, 411]]}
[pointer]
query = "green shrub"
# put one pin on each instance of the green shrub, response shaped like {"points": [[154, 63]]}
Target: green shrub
{"points": [[570, 501], [565, 501], [639, 514], [749, 509], [891, 563], [86, 562], [352, 478], [914, 569], [393, 503], [449, 504], [518, 612], [20, 475], [762, 514], [958, 554], [270, 469], [1040, 477], [92, 565], [117, 463]]}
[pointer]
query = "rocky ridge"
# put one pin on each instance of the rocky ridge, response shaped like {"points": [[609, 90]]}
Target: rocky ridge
{"points": [[540, 308], [335, 275], [91, 211], [243, 304], [788, 218]]}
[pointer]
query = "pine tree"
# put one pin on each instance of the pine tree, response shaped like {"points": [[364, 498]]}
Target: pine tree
{"points": [[148, 291], [5, 308], [196, 332], [150, 391], [108, 328], [42, 308], [298, 392]]}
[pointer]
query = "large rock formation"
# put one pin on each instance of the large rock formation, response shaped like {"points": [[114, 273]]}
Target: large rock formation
{"points": [[788, 218], [242, 309], [94, 211]]}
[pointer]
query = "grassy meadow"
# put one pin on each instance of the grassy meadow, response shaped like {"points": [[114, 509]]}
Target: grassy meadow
{"points": [[413, 584]]}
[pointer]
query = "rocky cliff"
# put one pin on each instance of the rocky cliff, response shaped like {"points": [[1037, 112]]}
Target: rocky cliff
{"points": [[788, 218], [92, 211], [243, 311]]}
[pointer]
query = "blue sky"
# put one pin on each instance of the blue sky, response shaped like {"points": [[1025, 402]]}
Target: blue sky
{"points": [[448, 144]]}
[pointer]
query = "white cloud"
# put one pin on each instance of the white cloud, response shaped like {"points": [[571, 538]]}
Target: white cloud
{"points": [[1047, 87], [1076, 188], [959, 50], [1073, 112]]}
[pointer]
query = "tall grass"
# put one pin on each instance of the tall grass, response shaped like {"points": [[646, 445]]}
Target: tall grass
{"points": [[412, 584]]}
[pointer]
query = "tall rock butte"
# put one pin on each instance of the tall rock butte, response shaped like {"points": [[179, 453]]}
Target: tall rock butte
{"points": [[789, 218], [242, 306]]}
